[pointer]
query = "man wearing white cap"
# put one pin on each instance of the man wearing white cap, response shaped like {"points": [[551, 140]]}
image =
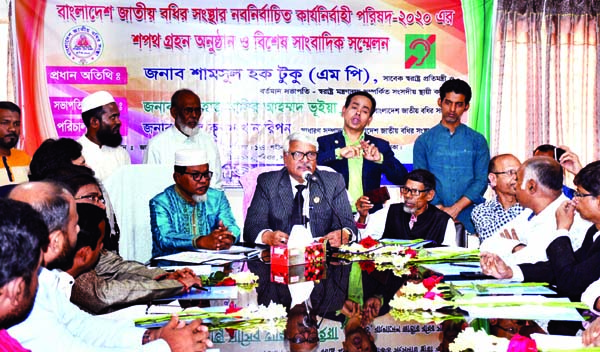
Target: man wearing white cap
{"points": [[101, 143], [190, 214], [185, 134]]}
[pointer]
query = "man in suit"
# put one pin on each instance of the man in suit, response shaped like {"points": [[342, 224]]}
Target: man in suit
{"points": [[326, 212], [359, 157], [571, 272], [269, 219]]}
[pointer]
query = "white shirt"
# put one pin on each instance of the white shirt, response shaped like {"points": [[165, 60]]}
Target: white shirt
{"points": [[375, 225], [162, 147], [536, 232], [65, 283], [103, 160], [55, 324]]}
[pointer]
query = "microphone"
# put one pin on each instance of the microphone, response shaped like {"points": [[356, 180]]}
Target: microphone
{"points": [[309, 176]]}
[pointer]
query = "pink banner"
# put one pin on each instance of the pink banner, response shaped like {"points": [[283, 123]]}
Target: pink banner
{"points": [[86, 75]]}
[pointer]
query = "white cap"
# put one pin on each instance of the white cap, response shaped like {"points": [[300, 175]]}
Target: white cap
{"points": [[95, 100], [190, 157]]}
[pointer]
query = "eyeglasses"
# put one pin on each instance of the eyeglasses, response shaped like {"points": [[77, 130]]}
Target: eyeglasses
{"points": [[189, 111], [413, 192], [313, 338], [582, 195], [94, 197], [198, 176], [299, 155], [510, 173]]}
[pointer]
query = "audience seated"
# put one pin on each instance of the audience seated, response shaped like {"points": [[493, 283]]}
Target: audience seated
{"points": [[490, 216], [358, 156], [185, 134], [571, 271], [54, 323], [457, 155], [190, 214], [525, 239], [413, 219], [14, 161], [23, 234]]}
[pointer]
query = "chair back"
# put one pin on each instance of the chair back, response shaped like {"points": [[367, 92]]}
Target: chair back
{"points": [[461, 234]]}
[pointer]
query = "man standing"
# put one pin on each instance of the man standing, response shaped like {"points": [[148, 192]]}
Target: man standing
{"points": [[22, 234], [185, 134], [359, 157], [490, 216], [190, 214], [55, 324], [271, 214], [412, 219], [457, 155], [102, 141], [14, 161]]}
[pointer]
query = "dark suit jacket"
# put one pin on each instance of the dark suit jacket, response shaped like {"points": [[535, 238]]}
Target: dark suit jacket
{"points": [[371, 172], [271, 207], [273, 202], [571, 272]]}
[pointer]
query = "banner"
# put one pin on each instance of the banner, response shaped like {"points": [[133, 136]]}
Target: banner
{"points": [[261, 69]]}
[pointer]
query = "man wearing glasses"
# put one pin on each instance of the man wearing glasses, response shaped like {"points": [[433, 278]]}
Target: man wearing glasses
{"points": [[490, 216], [415, 218], [525, 239], [185, 134], [273, 213], [190, 214]]}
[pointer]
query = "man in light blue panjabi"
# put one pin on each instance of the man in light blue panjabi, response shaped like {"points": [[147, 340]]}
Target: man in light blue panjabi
{"points": [[189, 214]]}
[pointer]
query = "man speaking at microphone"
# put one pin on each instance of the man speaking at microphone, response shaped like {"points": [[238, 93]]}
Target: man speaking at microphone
{"points": [[285, 198]]}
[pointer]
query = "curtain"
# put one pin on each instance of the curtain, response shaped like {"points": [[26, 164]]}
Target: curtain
{"points": [[546, 77]]}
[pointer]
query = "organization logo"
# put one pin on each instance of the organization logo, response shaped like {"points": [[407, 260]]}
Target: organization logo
{"points": [[83, 45], [420, 51]]}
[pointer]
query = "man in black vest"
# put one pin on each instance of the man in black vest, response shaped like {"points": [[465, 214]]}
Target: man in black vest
{"points": [[413, 219]]}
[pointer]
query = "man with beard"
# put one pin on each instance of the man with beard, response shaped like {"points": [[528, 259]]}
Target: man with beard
{"points": [[415, 218], [102, 142], [14, 161], [456, 154], [190, 214], [23, 234], [185, 134], [490, 216], [55, 324]]}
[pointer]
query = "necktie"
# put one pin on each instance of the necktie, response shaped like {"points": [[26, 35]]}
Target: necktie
{"points": [[413, 219], [297, 218]]}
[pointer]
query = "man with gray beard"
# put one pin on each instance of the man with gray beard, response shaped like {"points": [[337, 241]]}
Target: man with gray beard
{"points": [[190, 214], [185, 134], [415, 218]]}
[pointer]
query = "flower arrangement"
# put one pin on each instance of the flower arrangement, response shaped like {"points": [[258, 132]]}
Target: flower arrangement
{"points": [[478, 341], [245, 280], [250, 318]]}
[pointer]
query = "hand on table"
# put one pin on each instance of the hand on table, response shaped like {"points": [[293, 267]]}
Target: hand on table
{"points": [[492, 264]]}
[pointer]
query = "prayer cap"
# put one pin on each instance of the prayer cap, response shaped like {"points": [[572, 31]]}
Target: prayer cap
{"points": [[190, 157], [95, 100]]}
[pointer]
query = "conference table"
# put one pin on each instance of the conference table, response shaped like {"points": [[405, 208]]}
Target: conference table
{"points": [[485, 300]]}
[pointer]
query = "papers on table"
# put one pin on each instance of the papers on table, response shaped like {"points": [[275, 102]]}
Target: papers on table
{"points": [[199, 270], [204, 257], [522, 311], [467, 287], [557, 342], [453, 268], [231, 250], [206, 293]]}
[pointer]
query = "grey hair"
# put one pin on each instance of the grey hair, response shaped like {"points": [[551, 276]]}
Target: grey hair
{"points": [[299, 136], [544, 171]]}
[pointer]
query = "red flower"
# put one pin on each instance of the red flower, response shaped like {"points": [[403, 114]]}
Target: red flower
{"points": [[232, 308], [431, 295], [226, 282], [432, 281], [410, 252], [230, 332], [368, 242], [522, 344], [367, 265]]}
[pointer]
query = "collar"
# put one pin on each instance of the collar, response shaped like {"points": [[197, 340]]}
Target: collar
{"points": [[180, 193], [361, 138], [550, 209]]}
